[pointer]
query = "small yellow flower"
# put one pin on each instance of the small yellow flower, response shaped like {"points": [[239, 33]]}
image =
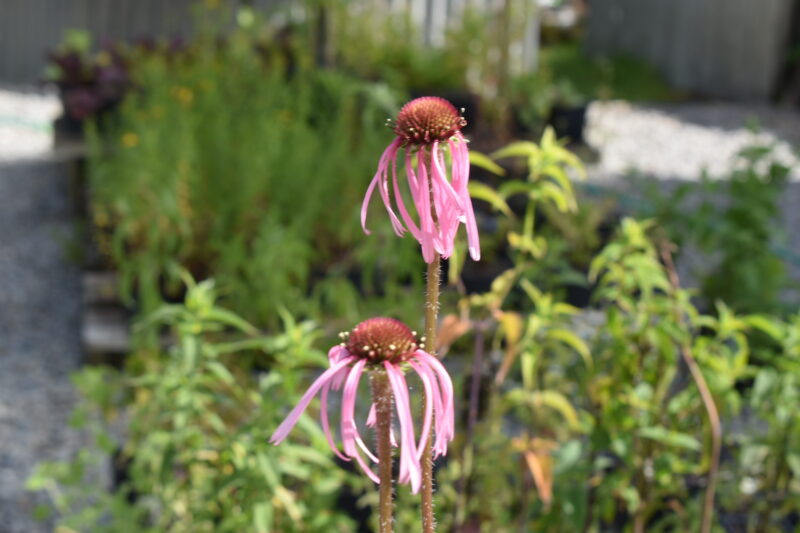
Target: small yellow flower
{"points": [[130, 139], [184, 95], [101, 218]]}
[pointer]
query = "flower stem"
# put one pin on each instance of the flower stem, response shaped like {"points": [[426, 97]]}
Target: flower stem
{"points": [[382, 397], [431, 312]]}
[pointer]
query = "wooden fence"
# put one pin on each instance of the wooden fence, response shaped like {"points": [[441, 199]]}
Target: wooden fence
{"points": [[721, 48], [29, 29]]}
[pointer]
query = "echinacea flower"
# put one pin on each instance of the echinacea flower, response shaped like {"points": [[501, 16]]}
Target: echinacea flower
{"points": [[388, 346], [426, 128]]}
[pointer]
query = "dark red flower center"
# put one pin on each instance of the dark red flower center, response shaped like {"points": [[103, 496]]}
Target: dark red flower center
{"points": [[428, 119], [382, 339]]}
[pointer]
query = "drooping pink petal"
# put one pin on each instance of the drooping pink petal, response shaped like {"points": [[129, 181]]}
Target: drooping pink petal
{"points": [[336, 354], [439, 208], [286, 426], [379, 181], [372, 420], [365, 203], [401, 206], [460, 181], [427, 225], [348, 426], [460, 156], [372, 416], [440, 175], [365, 449], [446, 386], [472, 235], [441, 418], [326, 428], [349, 429], [323, 416], [413, 466], [412, 177], [429, 394], [383, 187], [409, 463]]}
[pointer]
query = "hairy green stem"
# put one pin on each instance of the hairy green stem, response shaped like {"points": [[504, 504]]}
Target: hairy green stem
{"points": [[431, 313], [382, 398]]}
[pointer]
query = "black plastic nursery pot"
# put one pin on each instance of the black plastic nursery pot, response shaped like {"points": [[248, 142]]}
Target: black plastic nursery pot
{"points": [[569, 122]]}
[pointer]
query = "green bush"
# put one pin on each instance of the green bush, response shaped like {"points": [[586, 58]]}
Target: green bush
{"points": [[569, 420], [198, 423], [735, 222], [235, 166]]}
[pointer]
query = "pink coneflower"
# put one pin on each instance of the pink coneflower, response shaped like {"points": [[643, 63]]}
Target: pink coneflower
{"points": [[382, 345], [426, 128]]}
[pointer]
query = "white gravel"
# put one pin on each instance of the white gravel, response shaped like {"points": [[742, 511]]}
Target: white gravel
{"points": [[40, 305], [26, 118], [680, 141], [676, 143]]}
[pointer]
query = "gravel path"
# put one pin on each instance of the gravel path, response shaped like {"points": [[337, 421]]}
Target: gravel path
{"points": [[40, 303], [679, 141], [675, 143]]}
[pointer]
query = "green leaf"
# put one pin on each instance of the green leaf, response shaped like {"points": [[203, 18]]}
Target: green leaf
{"points": [[536, 246], [547, 398], [227, 317], [220, 371], [568, 455], [573, 341], [531, 290], [557, 173], [510, 188], [528, 364], [262, 517], [288, 501], [516, 149], [268, 471], [670, 438], [482, 160], [771, 327], [562, 201], [481, 191]]}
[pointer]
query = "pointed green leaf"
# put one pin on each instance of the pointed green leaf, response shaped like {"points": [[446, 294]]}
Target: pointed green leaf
{"points": [[483, 161], [516, 149], [481, 191]]}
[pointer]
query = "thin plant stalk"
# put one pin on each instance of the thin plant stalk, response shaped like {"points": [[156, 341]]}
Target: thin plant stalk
{"points": [[431, 314], [707, 398], [382, 398], [474, 397]]}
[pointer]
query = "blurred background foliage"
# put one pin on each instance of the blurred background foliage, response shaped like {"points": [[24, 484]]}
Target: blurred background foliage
{"points": [[236, 157]]}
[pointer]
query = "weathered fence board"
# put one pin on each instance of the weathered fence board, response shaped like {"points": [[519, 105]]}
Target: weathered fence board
{"points": [[723, 48], [29, 29]]}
